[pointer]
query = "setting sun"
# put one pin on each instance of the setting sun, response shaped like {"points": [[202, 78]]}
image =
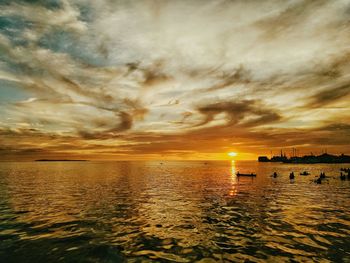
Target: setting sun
{"points": [[232, 154]]}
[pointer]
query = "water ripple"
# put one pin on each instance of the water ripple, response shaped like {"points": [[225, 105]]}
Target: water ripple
{"points": [[174, 212]]}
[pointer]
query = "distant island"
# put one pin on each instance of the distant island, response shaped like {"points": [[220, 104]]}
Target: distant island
{"points": [[323, 158], [57, 160]]}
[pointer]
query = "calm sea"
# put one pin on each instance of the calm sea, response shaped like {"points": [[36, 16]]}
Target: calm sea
{"points": [[172, 212]]}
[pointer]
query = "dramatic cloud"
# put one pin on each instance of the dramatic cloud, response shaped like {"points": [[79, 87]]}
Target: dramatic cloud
{"points": [[242, 113], [173, 79]]}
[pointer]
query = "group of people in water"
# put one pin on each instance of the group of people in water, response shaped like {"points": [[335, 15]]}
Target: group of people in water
{"points": [[346, 174], [343, 176], [319, 179], [347, 170]]}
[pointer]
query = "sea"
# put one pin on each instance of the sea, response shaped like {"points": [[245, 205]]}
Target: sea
{"points": [[172, 211]]}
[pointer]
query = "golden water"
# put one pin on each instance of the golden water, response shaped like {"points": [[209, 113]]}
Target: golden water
{"points": [[175, 211]]}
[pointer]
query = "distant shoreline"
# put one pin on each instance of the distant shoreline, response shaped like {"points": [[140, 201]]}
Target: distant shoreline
{"points": [[307, 159], [57, 160]]}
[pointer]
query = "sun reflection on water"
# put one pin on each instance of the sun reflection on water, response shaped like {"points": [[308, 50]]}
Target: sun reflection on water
{"points": [[233, 168], [233, 191]]}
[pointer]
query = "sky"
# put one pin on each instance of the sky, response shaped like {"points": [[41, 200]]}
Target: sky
{"points": [[173, 79]]}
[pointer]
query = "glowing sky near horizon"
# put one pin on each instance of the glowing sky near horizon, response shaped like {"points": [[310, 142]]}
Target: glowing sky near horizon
{"points": [[173, 79]]}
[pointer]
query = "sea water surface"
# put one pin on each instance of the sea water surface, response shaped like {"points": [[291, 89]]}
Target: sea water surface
{"points": [[172, 212]]}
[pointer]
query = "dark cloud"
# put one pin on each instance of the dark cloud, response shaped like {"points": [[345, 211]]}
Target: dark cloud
{"points": [[345, 127], [330, 95], [239, 76], [238, 112], [125, 123], [51, 4]]}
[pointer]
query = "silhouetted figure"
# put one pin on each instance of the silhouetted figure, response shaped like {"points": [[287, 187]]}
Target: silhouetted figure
{"points": [[322, 176], [274, 175], [318, 180], [342, 177], [291, 176]]}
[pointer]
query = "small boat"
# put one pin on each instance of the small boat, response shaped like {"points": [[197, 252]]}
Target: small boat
{"points": [[305, 173], [250, 175]]}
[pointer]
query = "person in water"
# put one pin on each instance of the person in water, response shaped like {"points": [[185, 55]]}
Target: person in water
{"points": [[322, 175], [291, 175], [342, 176]]}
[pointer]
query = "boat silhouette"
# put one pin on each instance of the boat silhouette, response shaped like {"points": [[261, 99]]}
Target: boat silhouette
{"points": [[250, 175]]}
